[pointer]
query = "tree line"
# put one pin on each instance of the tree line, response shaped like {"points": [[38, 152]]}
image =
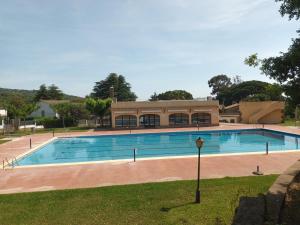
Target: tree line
{"points": [[283, 68]]}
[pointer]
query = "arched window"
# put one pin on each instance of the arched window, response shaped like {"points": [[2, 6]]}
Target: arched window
{"points": [[179, 119], [150, 120], [126, 121], [201, 119]]}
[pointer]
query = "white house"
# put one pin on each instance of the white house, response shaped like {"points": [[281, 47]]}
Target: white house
{"points": [[45, 108], [3, 112]]}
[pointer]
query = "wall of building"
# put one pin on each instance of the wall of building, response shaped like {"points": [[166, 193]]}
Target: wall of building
{"points": [[272, 118], [44, 110], [3, 113], [164, 109], [230, 118], [262, 112]]}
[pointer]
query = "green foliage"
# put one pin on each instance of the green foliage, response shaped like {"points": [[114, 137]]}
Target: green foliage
{"points": [[139, 204], [250, 91], [78, 111], [98, 107], [56, 123], [6, 94], [252, 60], [29, 95], [290, 8], [48, 93], [54, 92], [219, 83], [172, 95], [75, 111], [17, 107], [122, 89], [285, 67]]}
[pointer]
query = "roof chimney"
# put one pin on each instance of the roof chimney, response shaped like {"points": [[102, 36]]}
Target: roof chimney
{"points": [[112, 94]]}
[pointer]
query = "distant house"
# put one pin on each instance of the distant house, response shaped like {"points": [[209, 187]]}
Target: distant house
{"points": [[3, 112], [46, 109]]}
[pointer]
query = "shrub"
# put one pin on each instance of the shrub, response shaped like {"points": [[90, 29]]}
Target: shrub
{"points": [[56, 123]]}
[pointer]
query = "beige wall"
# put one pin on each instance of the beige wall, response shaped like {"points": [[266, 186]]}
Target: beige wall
{"points": [[165, 108], [262, 112], [272, 118]]}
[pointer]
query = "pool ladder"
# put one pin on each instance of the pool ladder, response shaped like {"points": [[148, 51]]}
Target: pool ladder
{"points": [[11, 163]]}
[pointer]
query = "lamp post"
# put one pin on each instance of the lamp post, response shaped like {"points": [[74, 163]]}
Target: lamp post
{"points": [[199, 144]]}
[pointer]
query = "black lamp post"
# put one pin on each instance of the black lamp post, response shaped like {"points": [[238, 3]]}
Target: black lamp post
{"points": [[199, 144]]}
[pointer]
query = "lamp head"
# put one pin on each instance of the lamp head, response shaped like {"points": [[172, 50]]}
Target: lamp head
{"points": [[199, 142]]}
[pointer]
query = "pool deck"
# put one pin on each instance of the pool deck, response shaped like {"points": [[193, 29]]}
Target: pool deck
{"points": [[116, 173]]}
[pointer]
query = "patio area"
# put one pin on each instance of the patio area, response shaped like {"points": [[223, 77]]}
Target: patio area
{"points": [[117, 173]]}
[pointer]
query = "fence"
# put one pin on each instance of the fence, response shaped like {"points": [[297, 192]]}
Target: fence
{"points": [[95, 123]]}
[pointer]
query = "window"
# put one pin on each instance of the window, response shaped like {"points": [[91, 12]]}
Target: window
{"points": [[150, 120], [126, 121], [201, 118], [178, 119]]}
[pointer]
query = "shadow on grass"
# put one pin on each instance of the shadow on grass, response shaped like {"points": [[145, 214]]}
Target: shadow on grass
{"points": [[168, 209]]}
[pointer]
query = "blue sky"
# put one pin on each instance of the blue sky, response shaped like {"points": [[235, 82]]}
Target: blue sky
{"points": [[157, 45]]}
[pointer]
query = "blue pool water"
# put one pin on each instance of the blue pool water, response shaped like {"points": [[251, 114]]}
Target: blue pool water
{"points": [[98, 148]]}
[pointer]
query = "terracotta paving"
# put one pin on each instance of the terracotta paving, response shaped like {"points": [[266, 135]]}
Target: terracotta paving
{"points": [[116, 173]]}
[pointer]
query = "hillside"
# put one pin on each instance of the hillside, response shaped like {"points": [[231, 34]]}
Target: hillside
{"points": [[29, 94]]}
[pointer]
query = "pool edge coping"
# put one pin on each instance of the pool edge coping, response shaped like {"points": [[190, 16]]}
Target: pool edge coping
{"points": [[118, 161]]}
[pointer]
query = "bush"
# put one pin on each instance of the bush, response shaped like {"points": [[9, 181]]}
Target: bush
{"points": [[56, 123]]}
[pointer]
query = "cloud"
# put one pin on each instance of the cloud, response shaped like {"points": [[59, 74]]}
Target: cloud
{"points": [[72, 57]]}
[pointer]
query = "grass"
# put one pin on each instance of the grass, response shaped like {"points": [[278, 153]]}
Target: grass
{"points": [[143, 204], [3, 141], [23, 132], [290, 122]]}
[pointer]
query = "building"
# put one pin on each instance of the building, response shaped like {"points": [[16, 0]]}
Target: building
{"points": [[230, 114], [173, 113], [46, 109], [3, 113], [264, 112]]}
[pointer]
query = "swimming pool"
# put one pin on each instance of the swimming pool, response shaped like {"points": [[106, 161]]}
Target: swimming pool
{"points": [[115, 147]]}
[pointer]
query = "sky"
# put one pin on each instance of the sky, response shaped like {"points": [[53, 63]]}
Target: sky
{"points": [[158, 45]]}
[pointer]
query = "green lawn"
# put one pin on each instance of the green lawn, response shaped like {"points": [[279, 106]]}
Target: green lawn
{"points": [[23, 132], [290, 122], [144, 204], [3, 141]]}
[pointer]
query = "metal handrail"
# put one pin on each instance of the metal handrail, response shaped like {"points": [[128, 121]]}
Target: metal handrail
{"points": [[12, 164]]}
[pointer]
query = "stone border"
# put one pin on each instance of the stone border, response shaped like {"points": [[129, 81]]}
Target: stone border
{"points": [[266, 209], [275, 196]]}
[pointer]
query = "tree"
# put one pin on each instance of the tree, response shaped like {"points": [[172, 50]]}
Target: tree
{"points": [[274, 91], [98, 107], [172, 95], [63, 110], [290, 8], [17, 108], [237, 79], [218, 83], [285, 67], [42, 93], [154, 97], [71, 111], [78, 111], [122, 88], [53, 92], [45, 93], [250, 91]]}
